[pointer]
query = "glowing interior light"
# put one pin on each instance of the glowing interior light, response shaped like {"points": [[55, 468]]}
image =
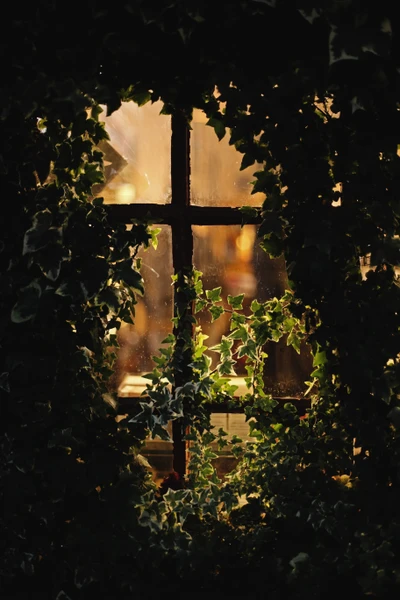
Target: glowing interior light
{"points": [[126, 193]]}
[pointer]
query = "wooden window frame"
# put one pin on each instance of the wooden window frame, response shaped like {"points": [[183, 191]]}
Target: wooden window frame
{"points": [[181, 216]]}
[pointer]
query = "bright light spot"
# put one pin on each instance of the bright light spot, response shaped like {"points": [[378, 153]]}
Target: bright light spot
{"points": [[126, 193]]}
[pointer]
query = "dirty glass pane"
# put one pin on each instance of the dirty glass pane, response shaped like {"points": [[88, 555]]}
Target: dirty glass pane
{"points": [[226, 257], [232, 424], [230, 256], [138, 155], [140, 341], [216, 179], [159, 455]]}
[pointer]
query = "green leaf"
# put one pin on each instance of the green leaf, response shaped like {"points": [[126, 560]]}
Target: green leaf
{"points": [[226, 367], [273, 245], [27, 304], [294, 341], [214, 295], [236, 302], [248, 349], [289, 324], [93, 173], [110, 297], [216, 312], [154, 236], [249, 212], [207, 470], [170, 339], [319, 359], [247, 161], [41, 233], [255, 306], [131, 277], [218, 126], [240, 334], [141, 97], [93, 276], [237, 320], [236, 440], [199, 305]]}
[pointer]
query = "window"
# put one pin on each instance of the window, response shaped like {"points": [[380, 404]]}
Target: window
{"points": [[191, 184]]}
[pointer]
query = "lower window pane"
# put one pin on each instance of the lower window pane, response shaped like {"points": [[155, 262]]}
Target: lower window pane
{"points": [[139, 342], [230, 256]]}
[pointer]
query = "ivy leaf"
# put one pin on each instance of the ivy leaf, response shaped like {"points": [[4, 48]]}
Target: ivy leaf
{"points": [[236, 439], [247, 161], [226, 345], [255, 307], [319, 359], [236, 302], [154, 236], [273, 245], [27, 304], [141, 97], [237, 320], [110, 297], [240, 334], [216, 312], [227, 367], [214, 295], [218, 126], [41, 233], [294, 341], [249, 212], [289, 324], [199, 305], [170, 339], [93, 276], [248, 349], [131, 277], [93, 173]]}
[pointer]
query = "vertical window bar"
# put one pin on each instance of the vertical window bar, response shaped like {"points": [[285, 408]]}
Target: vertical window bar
{"points": [[182, 255]]}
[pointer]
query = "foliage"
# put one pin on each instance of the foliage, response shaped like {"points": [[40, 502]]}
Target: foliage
{"points": [[318, 107]]}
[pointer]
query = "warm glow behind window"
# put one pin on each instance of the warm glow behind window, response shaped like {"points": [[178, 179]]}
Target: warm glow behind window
{"points": [[216, 179], [138, 156], [229, 256], [139, 342]]}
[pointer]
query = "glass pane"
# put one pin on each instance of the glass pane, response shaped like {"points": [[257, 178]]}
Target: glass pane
{"points": [[233, 424], [138, 155], [139, 342], [216, 179], [225, 255], [159, 454], [230, 256]]}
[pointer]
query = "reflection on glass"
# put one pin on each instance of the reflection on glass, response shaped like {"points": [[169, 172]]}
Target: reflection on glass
{"points": [[139, 342], [230, 256], [216, 179], [137, 158]]}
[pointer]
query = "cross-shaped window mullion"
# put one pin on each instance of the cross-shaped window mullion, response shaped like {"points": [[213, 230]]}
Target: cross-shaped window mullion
{"points": [[182, 258], [181, 216]]}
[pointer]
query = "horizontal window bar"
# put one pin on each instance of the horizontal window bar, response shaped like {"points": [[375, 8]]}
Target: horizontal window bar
{"points": [[167, 213]]}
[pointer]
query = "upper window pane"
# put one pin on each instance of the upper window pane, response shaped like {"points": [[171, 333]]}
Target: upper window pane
{"points": [[137, 158], [216, 178]]}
